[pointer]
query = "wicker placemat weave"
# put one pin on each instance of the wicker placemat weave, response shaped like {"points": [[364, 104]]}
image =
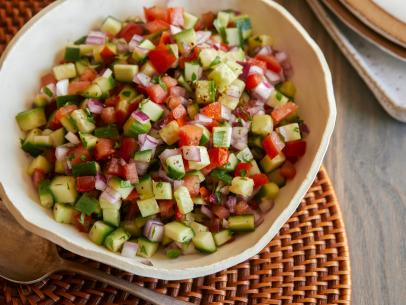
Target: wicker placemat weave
{"points": [[306, 263]]}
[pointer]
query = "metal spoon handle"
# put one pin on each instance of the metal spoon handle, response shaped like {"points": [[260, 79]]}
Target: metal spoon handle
{"points": [[144, 293]]}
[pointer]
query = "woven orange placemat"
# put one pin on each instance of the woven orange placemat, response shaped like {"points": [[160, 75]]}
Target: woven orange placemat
{"points": [[306, 263]]}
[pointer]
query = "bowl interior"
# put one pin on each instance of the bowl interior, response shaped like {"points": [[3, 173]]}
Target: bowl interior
{"points": [[39, 46]]}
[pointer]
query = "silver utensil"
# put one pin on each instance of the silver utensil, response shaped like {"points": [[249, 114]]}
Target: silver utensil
{"points": [[26, 259]]}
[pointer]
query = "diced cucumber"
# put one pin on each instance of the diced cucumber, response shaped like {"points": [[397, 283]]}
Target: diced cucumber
{"points": [[243, 23], [243, 186], [40, 100], [170, 133], [222, 237], [68, 99], [89, 168], [111, 25], [148, 69], [144, 187], [276, 177], [162, 190], [234, 37], [192, 109], [245, 155], [173, 47], [109, 131], [45, 195], [143, 155], [193, 72], [132, 128], [127, 93], [148, 207], [183, 200], [289, 132], [99, 231], [254, 168], [177, 231], [111, 216], [64, 71], [209, 58], [269, 164], [204, 242], [222, 136], [88, 140], [140, 53], [189, 20], [269, 190], [125, 72], [277, 99], [197, 173], [106, 203], [262, 124], [64, 213], [105, 84], [204, 160], [93, 91], [205, 91], [151, 109], [116, 239], [57, 137], [146, 248], [175, 167], [83, 120], [123, 187], [223, 75], [173, 252], [29, 146], [198, 227], [39, 163], [241, 223], [205, 135], [42, 141], [64, 189], [236, 88], [232, 163], [184, 83], [288, 88], [59, 167], [88, 205], [69, 123], [259, 41], [72, 53], [31, 119], [185, 39]]}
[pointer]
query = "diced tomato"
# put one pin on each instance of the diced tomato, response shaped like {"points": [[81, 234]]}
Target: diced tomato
{"points": [[288, 170], [218, 156], [114, 167], [177, 91], [242, 169], [211, 125], [175, 15], [253, 80], [76, 87], [127, 148], [182, 121], [157, 26], [133, 196], [61, 112], [272, 144], [130, 30], [169, 81], [85, 183], [122, 112], [271, 63], [281, 112], [294, 148], [192, 183], [259, 179], [189, 57], [174, 101], [155, 13], [49, 154], [179, 216], [108, 55], [112, 101], [103, 149], [82, 225], [179, 112], [48, 79], [220, 211], [38, 175], [257, 62], [215, 225], [162, 58], [78, 155], [165, 38], [212, 110], [130, 172], [167, 208], [108, 115], [157, 93], [242, 208], [190, 135], [205, 21], [88, 75], [132, 210]]}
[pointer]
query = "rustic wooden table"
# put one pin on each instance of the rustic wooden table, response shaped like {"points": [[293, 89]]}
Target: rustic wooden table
{"points": [[367, 164]]}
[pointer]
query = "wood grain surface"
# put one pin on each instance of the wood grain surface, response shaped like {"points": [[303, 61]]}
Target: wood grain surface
{"points": [[367, 164]]}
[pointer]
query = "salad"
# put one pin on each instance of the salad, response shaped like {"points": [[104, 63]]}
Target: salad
{"points": [[176, 132]]}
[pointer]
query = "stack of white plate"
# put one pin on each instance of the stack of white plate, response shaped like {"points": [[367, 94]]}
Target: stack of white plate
{"points": [[372, 35]]}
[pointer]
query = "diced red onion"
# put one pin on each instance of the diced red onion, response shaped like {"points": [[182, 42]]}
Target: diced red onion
{"points": [[142, 167], [263, 90], [140, 117], [174, 29], [231, 203], [142, 79], [111, 196], [234, 91], [122, 46], [135, 42], [149, 143], [101, 182], [62, 87], [281, 56], [266, 205], [304, 129], [154, 230], [191, 153], [226, 113], [169, 153], [141, 50], [239, 137], [96, 38], [266, 50], [202, 36], [255, 70], [72, 138], [177, 184], [107, 73], [206, 211], [95, 106], [129, 249], [177, 91], [203, 119], [272, 77], [61, 152], [246, 67]]}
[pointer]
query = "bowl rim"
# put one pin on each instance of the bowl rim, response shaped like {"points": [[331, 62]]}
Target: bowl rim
{"points": [[192, 272]]}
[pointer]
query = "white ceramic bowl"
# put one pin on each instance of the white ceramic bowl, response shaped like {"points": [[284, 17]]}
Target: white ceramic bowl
{"points": [[36, 48]]}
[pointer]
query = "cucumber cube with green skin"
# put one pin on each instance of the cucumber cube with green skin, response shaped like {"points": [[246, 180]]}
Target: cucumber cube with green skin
{"points": [[189, 20], [143, 155], [151, 109], [64, 213], [64, 71], [111, 25], [243, 186], [57, 137], [204, 242], [289, 132], [262, 124], [83, 120], [183, 200], [39, 163], [193, 72], [287, 88], [254, 168], [133, 128], [127, 93], [198, 227], [237, 88], [69, 124], [243, 23], [205, 91], [234, 37], [208, 57], [148, 207], [139, 54], [93, 91], [116, 239], [241, 223], [125, 72], [106, 204], [87, 204], [277, 99], [205, 135], [192, 109], [123, 187], [40, 100], [42, 141], [232, 163], [173, 47], [174, 167], [68, 99], [269, 190], [177, 231], [173, 252], [259, 41], [269, 164], [170, 133], [148, 69], [144, 187], [72, 53], [146, 248], [31, 119], [185, 39], [223, 75], [109, 131], [45, 196], [222, 136], [111, 216], [88, 140], [162, 190], [64, 189], [99, 231], [89, 168], [105, 84], [222, 237], [245, 155], [204, 160]]}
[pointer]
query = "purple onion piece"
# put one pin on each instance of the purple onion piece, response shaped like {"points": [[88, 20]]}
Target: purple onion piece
{"points": [[177, 184], [154, 230], [231, 203], [61, 152], [129, 249], [101, 182], [95, 106], [206, 211], [96, 38], [202, 36], [263, 90], [72, 138], [169, 153], [142, 167], [140, 116], [142, 79], [191, 153]]}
